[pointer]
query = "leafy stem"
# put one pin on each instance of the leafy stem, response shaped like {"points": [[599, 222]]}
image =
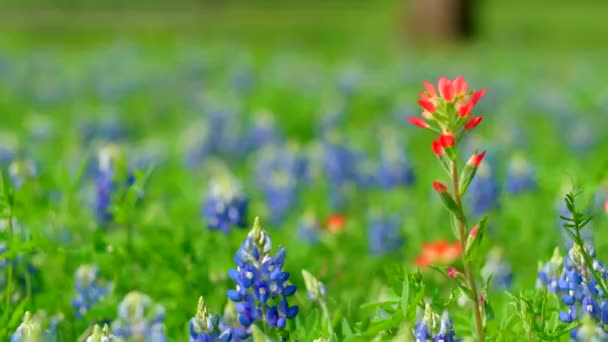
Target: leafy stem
{"points": [[467, 264]]}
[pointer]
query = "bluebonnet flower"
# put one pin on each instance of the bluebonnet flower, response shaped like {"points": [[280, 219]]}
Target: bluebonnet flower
{"points": [[90, 289], [315, 289], [263, 131], [309, 228], [205, 327], [112, 176], [577, 286], [8, 148], [343, 167], [140, 319], [483, 192], [280, 172], [384, 234], [20, 171], [29, 330], [394, 169], [499, 269], [108, 129], [549, 273], [226, 204], [101, 335], [521, 176], [431, 327], [262, 287], [35, 328]]}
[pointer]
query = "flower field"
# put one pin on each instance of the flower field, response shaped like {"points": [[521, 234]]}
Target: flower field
{"points": [[210, 192]]}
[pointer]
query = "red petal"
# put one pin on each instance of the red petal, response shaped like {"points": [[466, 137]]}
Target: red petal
{"points": [[446, 89], [473, 123], [439, 187], [460, 85], [447, 140], [424, 97], [430, 89], [427, 105], [418, 122], [478, 95], [465, 109], [437, 149]]}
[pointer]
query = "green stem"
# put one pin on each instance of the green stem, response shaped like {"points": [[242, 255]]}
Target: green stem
{"points": [[467, 266], [9, 277], [588, 260], [330, 326]]}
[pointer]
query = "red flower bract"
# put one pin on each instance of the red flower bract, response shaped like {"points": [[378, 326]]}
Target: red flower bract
{"points": [[418, 122], [446, 89], [335, 223], [437, 149], [465, 109], [447, 140], [427, 105], [476, 159], [460, 86], [430, 89], [477, 96], [473, 123], [442, 252], [439, 187]]}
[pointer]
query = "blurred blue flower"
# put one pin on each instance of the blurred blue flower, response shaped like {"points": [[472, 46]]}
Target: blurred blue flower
{"points": [[280, 173], [140, 319], [483, 193], [394, 170], [101, 335], [112, 177], [90, 289], [263, 131], [309, 228], [205, 327], [499, 269], [226, 205], [521, 176], [20, 171], [384, 234], [262, 287], [431, 327]]}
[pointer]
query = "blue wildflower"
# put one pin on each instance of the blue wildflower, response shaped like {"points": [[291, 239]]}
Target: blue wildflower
{"points": [[112, 177], [499, 269], [384, 234], [262, 288], [20, 171], [205, 327], [315, 289], [431, 327], [90, 289], [262, 132], [394, 169], [483, 192], [226, 205], [550, 272], [309, 228], [29, 330], [140, 319], [280, 173], [521, 176], [101, 335]]}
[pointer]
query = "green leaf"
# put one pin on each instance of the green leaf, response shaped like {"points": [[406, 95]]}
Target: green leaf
{"points": [[473, 242], [405, 295], [394, 276], [346, 330]]}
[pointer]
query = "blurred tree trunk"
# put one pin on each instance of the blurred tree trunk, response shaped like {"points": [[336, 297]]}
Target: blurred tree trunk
{"points": [[441, 20]]}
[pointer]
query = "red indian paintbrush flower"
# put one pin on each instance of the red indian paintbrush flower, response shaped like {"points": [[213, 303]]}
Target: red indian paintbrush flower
{"points": [[465, 109], [452, 272], [476, 159], [473, 123], [439, 187], [477, 96], [418, 122], [447, 140], [442, 252], [446, 89], [335, 223], [437, 149], [427, 105], [460, 86], [430, 89]]}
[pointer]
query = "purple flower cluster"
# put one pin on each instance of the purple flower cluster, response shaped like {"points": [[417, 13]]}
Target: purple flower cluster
{"points": [[90, 289], [431, 327], [262, 287], [205, 327], [226, 205], [574, 281]]}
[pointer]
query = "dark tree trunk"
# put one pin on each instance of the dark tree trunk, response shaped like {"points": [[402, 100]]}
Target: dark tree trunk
{"points": [[441, 19]]}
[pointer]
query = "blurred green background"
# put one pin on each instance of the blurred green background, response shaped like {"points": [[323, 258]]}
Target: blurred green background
{"points": [[543, 26]]}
